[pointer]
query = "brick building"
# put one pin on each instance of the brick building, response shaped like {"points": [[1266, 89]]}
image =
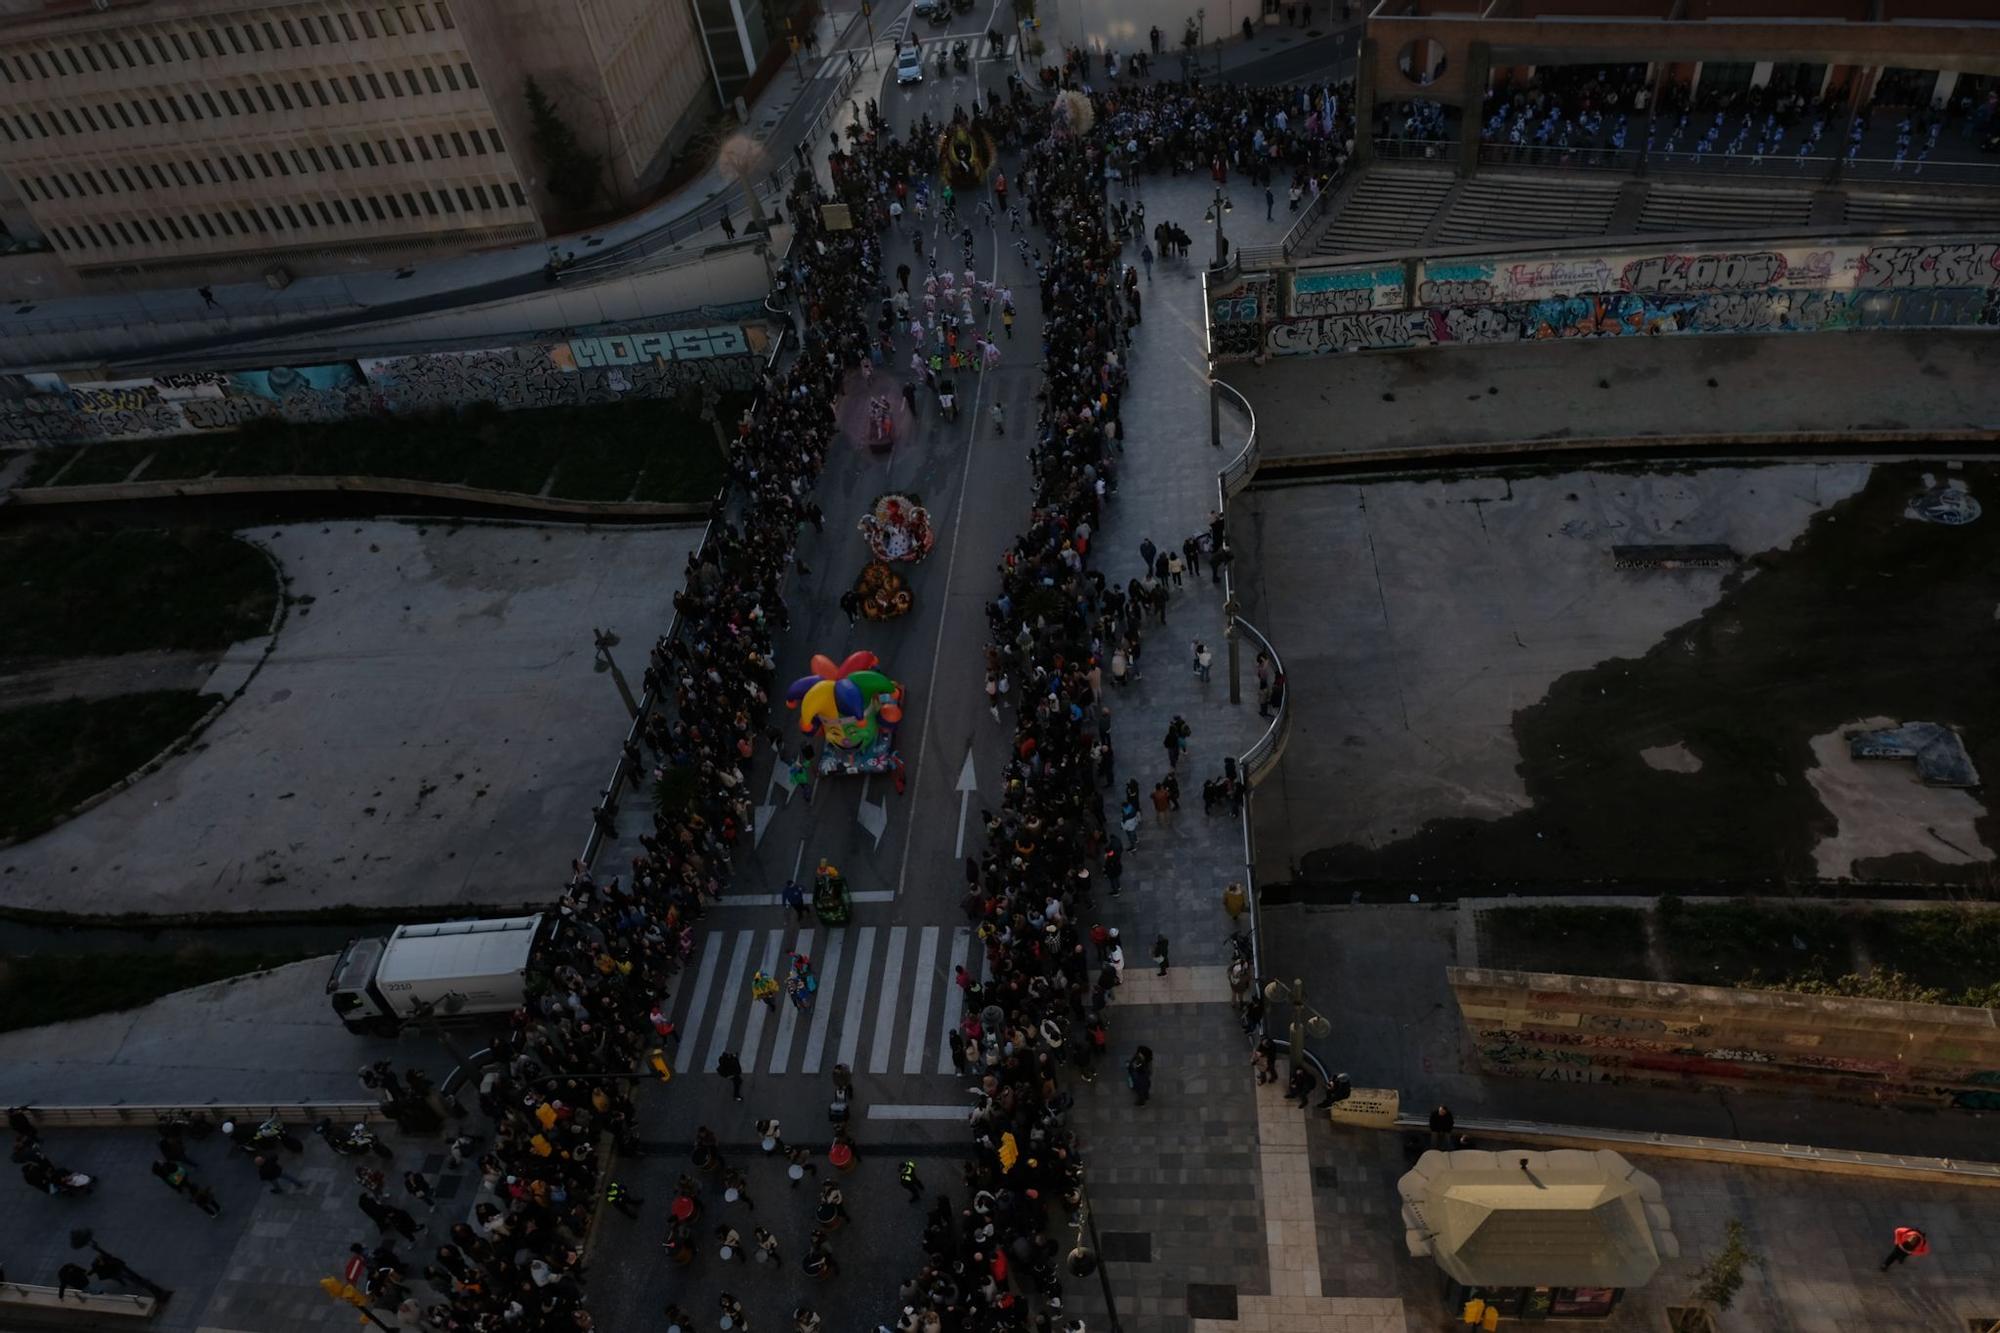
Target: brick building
{"points": [[147, 134]]}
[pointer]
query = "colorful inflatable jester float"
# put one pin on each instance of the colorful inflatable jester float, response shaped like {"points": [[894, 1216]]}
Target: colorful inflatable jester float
{"points": [[853, 708]]}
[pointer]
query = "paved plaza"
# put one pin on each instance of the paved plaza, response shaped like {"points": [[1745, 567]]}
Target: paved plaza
{"points": [[427, 731], [451, 753], [1452, 400]]}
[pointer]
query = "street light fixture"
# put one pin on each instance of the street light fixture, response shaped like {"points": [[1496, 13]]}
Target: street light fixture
{"points": [[1306, 1020], [1220, 205]]}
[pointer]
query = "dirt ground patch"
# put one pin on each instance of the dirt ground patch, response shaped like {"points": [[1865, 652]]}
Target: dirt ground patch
{"points": [[1870, 613]]}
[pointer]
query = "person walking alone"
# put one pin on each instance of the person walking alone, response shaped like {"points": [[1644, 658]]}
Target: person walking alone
{"points": [[906, 1176], [1909, 1241], [731, 1068], [1139, 1075], [1160, 953]]}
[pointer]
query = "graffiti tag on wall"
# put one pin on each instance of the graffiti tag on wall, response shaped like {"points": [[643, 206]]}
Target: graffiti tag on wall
{"points": [[1343, 291], [541, 374]]}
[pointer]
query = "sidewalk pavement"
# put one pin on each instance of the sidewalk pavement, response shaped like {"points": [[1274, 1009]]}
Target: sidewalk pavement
{"points": [[269, 1037], [1711, 384], [1166, 491]]}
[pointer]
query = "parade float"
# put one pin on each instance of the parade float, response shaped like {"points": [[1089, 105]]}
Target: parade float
{"points": [[854, 709], [884, 593], [896, 527], [965, 154]]}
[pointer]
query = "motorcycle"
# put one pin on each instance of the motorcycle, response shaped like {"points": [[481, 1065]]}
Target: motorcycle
{"points": [[353, 1141], [46, 1176], [958, 56], [271, 1132], [941, 64]]}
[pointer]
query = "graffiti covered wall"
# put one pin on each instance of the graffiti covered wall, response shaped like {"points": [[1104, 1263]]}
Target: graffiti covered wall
{"points": [[1569, 1029], [48, 409], [1782, 289]]}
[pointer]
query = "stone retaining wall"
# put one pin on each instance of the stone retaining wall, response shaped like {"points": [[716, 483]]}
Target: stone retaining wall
{"points": [[1575, 1029]]}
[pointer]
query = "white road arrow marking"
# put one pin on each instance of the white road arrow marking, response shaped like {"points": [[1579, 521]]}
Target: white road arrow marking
{"points": [[968, 783]]}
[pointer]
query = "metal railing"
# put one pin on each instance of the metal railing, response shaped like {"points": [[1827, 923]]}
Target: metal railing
{"points": [[1780, 166], [126, 1117], [1262, 755], [75, 1302], [606, 810], [1414, 150]]}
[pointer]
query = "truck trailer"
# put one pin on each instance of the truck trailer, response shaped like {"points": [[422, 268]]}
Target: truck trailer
{"points": [[451, 972]]}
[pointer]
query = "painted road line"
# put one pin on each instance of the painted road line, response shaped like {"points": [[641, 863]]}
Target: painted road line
{"points": [[753, 1033], [892, 985], [698, 1007], [739, 965], [829, 980], [781, 1050], [961, 945], [777, 900], [850, 1024], [879, 1112], [920, 1002]]}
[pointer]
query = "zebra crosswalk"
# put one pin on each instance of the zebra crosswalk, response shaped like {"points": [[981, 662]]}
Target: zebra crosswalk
{"points": [[886, 1001], [976, 47]]}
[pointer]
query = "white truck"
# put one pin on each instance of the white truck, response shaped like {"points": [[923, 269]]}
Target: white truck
{"points": [[452, 971]]}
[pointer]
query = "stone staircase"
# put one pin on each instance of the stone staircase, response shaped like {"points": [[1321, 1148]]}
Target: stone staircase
{"points": [[1523, 208], [1386, 210], [1695, 209]]}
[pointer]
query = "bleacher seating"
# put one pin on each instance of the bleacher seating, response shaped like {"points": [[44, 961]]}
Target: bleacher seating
{"points": [[1387, 210], [1699, 208], [1930, 212], [1516, 208]]}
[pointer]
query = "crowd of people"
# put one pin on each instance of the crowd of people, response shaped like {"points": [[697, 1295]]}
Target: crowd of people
{"points": [[1592, 115], [599, 982]]}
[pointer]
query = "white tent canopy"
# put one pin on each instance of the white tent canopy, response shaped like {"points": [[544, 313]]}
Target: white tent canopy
{"points": [[1565, 1218]]}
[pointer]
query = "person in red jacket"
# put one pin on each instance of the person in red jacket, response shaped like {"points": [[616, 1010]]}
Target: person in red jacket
{"points": [[1909, 1241]]}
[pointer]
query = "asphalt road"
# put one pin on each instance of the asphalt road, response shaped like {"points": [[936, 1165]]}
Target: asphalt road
{"points": [[887, 994]]}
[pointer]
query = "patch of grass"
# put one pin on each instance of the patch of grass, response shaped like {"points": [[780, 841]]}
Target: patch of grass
{"points": [[1586, 941], [595, 453], [54, 755], [1956, 950], [108, 462], [49, 988], [1724, 944], [91, 590]]}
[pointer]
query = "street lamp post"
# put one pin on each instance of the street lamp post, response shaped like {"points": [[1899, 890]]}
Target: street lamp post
{"points": [[1083, 1259], [1305, 1021], [1233, 636], [1220, 205]]}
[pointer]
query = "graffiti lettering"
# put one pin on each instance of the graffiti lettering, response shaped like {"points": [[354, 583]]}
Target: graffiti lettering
{"points": [[1622, 1023], [1472, 292], [1705, 273], [1966, 265], [1351, 333], [1336, 301]]}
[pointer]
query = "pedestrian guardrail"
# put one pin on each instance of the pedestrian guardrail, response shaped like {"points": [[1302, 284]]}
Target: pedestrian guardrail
{"points": [[27, 1295], [127, 1117], [1778, 167], [1413, 150], [606, 810], [1258, 760], [1739, 1152]]}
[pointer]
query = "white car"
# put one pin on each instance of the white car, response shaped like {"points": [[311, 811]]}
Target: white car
{"points": [[910, 66]]}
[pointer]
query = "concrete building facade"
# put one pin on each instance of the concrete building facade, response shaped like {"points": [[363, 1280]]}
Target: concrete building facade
{"points": [[161, 134]]}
